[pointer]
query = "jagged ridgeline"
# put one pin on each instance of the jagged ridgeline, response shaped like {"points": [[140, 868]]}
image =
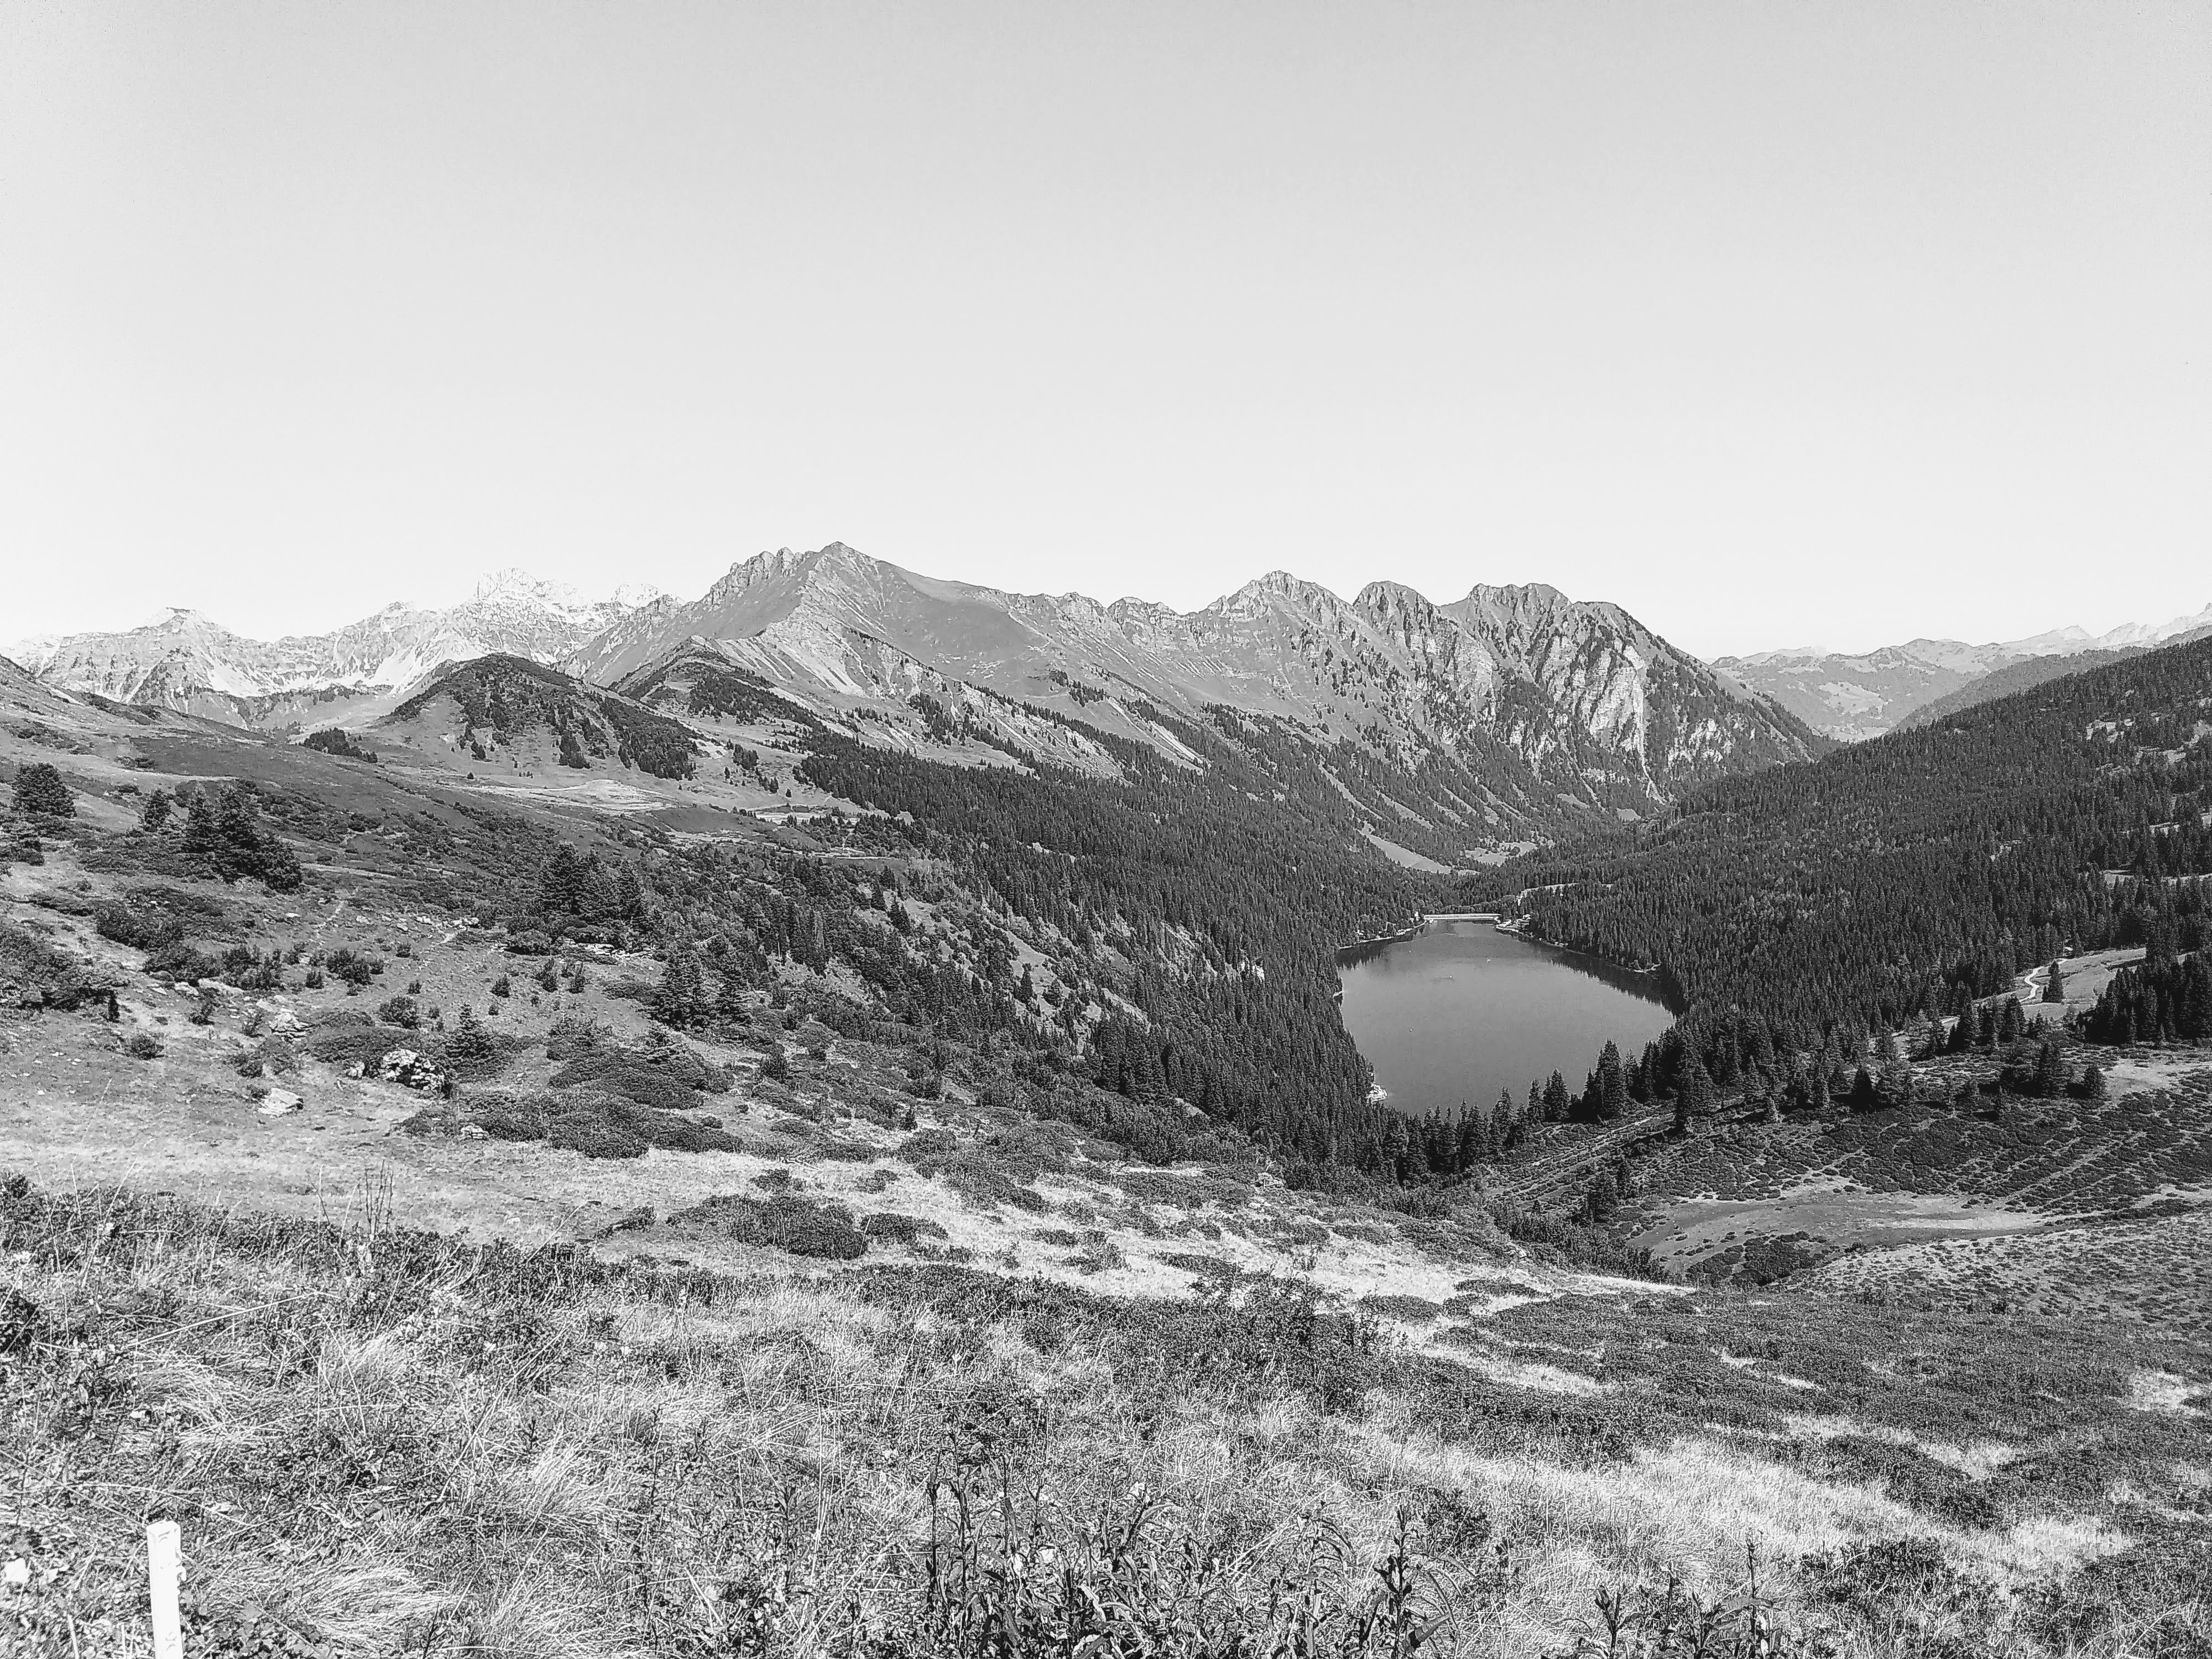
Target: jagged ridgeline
{"points": [[502, 699], [1919, 870]]}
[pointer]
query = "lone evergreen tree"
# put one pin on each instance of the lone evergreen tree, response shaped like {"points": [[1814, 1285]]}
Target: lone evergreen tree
{"points": [[40, 792], [681, 1001], [2054, 987], [156, 812]]}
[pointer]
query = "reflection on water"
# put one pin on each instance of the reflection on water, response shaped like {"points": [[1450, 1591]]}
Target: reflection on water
{"points": [[1461, 1010]]}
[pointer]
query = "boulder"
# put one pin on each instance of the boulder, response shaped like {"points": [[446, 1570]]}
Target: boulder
{"points": [[411, 1070], [277, 1102]]}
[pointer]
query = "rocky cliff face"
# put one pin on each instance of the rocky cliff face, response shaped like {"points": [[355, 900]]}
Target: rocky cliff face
{"points": [[1580, 700], [182, 661]]}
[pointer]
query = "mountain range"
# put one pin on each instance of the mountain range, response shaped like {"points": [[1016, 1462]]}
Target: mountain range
{"points": [[1852, 695], [1457, 727], [1501, 712], [182, 661]]}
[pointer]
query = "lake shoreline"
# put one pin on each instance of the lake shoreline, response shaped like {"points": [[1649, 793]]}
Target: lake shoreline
{"points": [[1448, 1013]]}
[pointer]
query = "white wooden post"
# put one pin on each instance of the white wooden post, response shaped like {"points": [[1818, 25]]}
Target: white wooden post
{"points": [[163, 1568]]}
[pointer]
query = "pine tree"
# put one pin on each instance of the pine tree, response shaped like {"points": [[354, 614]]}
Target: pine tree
{"points": [[469, 1044], [681, 1001], [2054, 986], [1557, 1101], [1474, 1141], [156, 813], [40, 792], [1612, 1085], [2051, 1071]]}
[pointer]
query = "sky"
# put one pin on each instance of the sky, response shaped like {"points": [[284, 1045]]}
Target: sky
{"points": [[1777, 324]]}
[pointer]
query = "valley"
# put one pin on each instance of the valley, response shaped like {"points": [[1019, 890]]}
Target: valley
{"points": [[703, 1144]]}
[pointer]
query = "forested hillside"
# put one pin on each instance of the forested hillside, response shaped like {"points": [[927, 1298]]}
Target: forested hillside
{"points": [[1237, 881], [1916, 871], [2011, 678]]}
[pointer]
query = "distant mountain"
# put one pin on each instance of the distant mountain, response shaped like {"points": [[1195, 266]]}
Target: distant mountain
{"points": [[2021, 676], [183, 661], [1532, 703], [2028, 673], [1854, 697]]}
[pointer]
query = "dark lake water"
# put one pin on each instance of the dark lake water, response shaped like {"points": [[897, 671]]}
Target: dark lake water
{"points": [[1461, 1010]]}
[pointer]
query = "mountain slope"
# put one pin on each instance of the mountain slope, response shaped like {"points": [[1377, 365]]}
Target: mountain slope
{"points": [[2027, 673], [1919, 869], [1853, 696], [1529, 702], [504, 702], [183, 661]]}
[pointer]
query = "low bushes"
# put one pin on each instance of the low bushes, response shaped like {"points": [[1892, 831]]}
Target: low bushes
{"points": [[33, 975], [595, 1124], [784, 1221], [346, 1039], [889, 1227], [125, 926]]}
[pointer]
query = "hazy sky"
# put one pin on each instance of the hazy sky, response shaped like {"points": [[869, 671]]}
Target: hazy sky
{"points": [[1773, 322]]}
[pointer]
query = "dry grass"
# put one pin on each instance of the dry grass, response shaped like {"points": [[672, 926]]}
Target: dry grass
{"points": [[377, 1442]]}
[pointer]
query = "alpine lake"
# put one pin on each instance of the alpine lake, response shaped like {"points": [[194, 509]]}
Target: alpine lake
{"points": [[1456, 1012]]}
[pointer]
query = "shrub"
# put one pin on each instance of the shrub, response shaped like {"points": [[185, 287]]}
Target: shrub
{"points": [[621, 1075], [505, 1117], [352, 966], [125, 926], [400, 1012], [786, 1222], [595, 1134], [179, 961], [342, 1039], [40, 975], [332, 741], [142, 1045], [888, 1227]]}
